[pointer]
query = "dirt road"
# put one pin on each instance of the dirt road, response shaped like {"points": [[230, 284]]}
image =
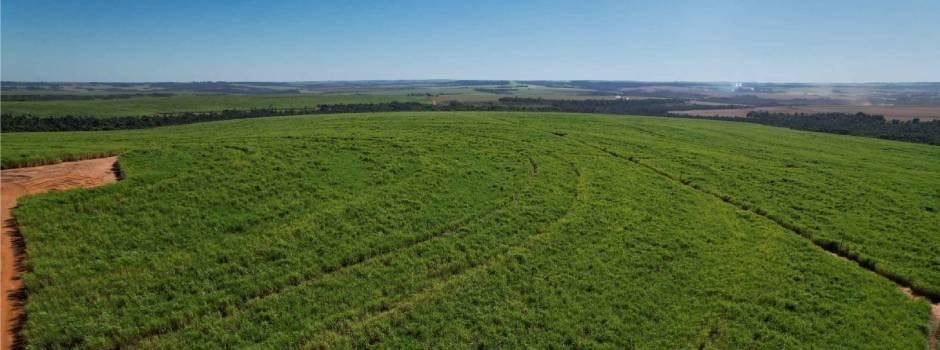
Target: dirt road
{"points": [[23, 181]]}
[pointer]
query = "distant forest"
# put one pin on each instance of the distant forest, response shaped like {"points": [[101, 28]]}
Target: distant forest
{"points": [[859, 124], [837, 123], [19, 123]]}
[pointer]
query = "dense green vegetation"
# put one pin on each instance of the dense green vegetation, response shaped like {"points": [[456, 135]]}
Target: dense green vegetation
{"points": [[481, 229], [19, 123], [859, 124], [187, 103]]}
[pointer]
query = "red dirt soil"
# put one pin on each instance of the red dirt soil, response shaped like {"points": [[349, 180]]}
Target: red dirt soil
{"points": [[933, 334], [23, 181], [934, 326]]}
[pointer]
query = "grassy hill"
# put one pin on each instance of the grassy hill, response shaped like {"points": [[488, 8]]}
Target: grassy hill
{"points": [[482, 229]]}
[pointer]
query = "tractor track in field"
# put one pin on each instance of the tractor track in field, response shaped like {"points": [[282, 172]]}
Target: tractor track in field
{"points": [[226, 312], [32, 180], [833, 248], [427, 293]]}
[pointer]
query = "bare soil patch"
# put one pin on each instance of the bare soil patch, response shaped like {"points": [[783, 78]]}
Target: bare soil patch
{"points": [[24, 181], [934, 326]]}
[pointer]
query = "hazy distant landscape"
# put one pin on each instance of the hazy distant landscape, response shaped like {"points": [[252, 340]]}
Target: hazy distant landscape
{"points": [[898, 111], [454, 175]]}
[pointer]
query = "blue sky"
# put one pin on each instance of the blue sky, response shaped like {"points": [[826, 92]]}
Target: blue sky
{"points": [[721, 40]]}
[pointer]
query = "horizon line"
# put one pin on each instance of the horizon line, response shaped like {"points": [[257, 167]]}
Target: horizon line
{"points": [[449, 79]]}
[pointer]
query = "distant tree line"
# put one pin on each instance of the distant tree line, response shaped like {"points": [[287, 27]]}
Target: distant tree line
{"points": [[606, 85], [58, 97], [20, 123], [652, 106], [475, 82], [31, 123], [497, 90], [858, 124], [838, 123], [222, 87]]}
